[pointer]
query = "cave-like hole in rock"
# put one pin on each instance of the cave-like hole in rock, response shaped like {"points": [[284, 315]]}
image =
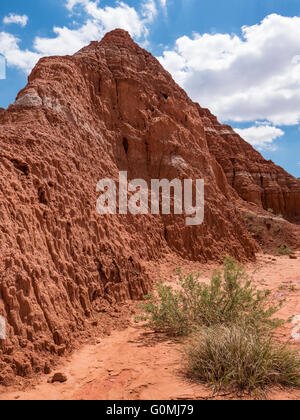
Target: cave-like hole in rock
{"points": [[125, 145]]}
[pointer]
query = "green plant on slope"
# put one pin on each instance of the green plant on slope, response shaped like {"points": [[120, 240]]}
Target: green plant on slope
{"points": [[284, 250]]}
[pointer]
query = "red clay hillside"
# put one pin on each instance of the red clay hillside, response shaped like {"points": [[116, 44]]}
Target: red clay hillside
{"points": [[81, 118]]}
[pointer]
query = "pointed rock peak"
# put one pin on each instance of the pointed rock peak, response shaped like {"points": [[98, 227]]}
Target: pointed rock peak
{"points": [[117, 36]]}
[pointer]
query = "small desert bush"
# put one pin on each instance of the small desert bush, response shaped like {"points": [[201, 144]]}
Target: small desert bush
{"points": [[249, 217], [229, 298], [240, 358], [284, 250]]}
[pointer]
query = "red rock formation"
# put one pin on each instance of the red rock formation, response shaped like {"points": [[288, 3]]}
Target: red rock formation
{"points": [[109, 107], [255, 179]]}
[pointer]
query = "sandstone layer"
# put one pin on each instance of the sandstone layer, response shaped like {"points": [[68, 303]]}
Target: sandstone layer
{"points": [[82, 118]]}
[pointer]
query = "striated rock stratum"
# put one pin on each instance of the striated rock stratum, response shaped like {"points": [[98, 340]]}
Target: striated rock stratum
{"points": [[81, 118], [256, 180]]}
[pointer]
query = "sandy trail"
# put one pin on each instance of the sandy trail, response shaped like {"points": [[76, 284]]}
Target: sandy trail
{"points": [[137, 364]]}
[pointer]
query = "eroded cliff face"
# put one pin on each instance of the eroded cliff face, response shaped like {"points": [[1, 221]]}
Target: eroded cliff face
{"points": [[255, 179], [110, 107]]}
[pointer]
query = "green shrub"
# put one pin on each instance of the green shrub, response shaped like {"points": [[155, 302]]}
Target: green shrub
{"points": [[284, 250], [249, 217], [229, 298], [229, 323], [239, 358]]}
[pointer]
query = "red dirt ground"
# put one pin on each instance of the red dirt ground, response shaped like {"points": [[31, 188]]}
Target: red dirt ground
{"points": [[137, 364]]}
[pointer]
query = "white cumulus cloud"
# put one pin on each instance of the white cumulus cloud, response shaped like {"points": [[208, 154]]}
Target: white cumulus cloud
{"points": [[261, 136], [119, 16], [66, 40], [17, 19], [243, 78], [15, 56]]}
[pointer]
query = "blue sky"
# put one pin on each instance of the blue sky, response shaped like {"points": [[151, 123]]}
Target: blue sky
{"points": [[240, 58]]}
